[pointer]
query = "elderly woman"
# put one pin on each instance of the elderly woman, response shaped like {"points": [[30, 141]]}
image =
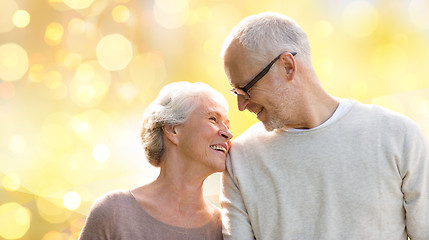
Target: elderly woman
{"points": [[185, 133]]}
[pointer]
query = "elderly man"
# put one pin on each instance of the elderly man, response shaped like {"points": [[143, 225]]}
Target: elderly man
{"points": [[315, 166]]}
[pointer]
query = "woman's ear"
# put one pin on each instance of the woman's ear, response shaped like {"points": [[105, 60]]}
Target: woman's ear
{"points": [[170, 133]]}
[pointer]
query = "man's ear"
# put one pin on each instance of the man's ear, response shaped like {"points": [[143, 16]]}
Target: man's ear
{"points": [[170, 133], [289, 65]]}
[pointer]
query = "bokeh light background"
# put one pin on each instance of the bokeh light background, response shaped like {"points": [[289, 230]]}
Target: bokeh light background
{"points": [[76, 75]]}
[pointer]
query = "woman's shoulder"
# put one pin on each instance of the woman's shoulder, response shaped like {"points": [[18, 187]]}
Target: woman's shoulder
{"points": [[111, 199]]}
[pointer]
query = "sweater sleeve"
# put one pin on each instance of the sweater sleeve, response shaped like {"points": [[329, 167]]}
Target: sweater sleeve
{"points": [[98, 224], [235, 220], [415, 183]]}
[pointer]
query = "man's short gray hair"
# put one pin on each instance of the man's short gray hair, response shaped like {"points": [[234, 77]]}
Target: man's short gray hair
{"points": [[174, 104], [266, 35]]}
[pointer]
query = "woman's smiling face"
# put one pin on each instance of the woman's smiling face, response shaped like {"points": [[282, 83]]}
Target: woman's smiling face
{"points": [[205, 136]]}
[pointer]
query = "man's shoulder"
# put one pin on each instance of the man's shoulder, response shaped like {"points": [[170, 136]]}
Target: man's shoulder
{"points": [[255, 131]]}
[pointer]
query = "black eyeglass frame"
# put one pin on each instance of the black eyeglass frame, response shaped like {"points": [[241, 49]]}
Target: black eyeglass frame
{"points": [[258, 77]]}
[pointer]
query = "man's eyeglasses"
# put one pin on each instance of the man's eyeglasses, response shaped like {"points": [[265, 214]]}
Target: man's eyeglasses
{"points": [[243, 90]]}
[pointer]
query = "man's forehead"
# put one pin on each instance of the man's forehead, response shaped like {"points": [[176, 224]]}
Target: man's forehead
{"points": [[236, 65]]}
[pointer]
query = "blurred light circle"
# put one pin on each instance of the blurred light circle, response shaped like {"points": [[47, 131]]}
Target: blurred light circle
{"points": [[53, 235], [76, 26], [13, 62], [90, 84], [7, 10], [21, 18], [78, 4], [419, 13], [121, 14], [360, 18], [170, 20], [54, 34], [72, 200], [53, 79], [172, 5], [36, 72], [114, 52], [101, 153], [91, 127], [85, 72], [85, 93], [14, 220], [51, 210], [82, 128], [11, 182], [72, 60]]}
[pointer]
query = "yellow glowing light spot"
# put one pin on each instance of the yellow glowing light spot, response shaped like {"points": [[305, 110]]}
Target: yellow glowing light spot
{"points": [[360, 18], [122, 1], [90, 83], [85, 93], [11, 182], [52, 210], [323, 28], [72, 60], [85, 72], [7, 90], [17, 144], [172, 5], [72, 200], [170, 20], [78, 4], [53, 235], [114, 52], [121, 14], [54, 33], [21, 18], [13, 62], [76, 26], [53, 79], [36, 72], [14, 220], [418, 10], [82, 128], [7, 9], [101, 153]]}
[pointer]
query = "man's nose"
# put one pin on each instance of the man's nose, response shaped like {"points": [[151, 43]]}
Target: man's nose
{"points": [[242, 102]]}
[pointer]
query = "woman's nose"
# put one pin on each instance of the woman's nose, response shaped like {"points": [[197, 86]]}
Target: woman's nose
{"points": [[226, 133]]}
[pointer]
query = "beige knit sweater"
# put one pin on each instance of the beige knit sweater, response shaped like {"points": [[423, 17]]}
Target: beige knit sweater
{"points": [[365, 176]]}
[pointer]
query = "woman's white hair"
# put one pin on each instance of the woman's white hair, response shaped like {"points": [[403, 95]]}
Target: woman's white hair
{"points": [[174, 104], [266, 35]]}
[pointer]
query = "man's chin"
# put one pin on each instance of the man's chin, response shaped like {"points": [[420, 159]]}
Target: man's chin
{"points": [[271, 125], [268, 126]]}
